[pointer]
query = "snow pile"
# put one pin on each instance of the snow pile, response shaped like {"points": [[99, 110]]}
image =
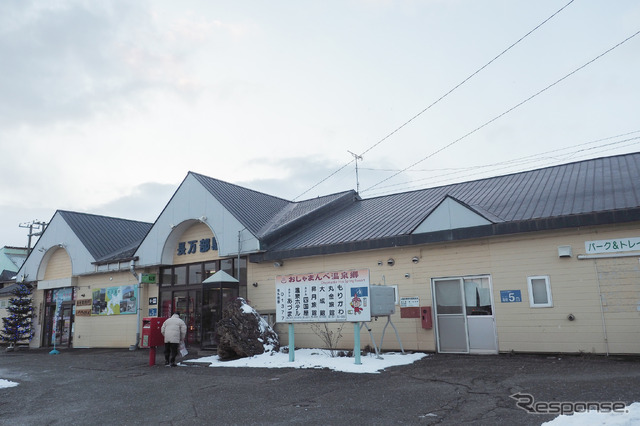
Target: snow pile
{"points": [[630, 417], [318, 358], [7, 384]]}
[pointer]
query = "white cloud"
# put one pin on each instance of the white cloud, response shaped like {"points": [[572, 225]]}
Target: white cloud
{"points": [[97, 98]]}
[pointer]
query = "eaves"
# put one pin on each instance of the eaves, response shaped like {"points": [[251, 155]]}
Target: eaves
{"points": [[484, 231]]}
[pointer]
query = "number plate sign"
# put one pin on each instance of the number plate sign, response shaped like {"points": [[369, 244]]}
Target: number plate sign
{"points": [[509, 296]]}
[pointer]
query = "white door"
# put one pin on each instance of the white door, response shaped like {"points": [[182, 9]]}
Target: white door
{"points": [[465, 322]]}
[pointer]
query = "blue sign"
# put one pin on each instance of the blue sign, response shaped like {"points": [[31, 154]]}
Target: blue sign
{"points": [[153, 312], [508, 296]]}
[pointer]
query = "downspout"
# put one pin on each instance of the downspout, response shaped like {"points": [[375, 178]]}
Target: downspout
{"points": [[132, 268], [238, 262], [604, 322]]}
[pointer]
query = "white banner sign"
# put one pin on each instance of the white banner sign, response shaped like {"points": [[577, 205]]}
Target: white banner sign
{"points": [[341, 296], [612, 246], [409, 302]]}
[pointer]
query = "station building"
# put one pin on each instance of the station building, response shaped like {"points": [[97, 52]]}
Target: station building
{"points": [[546, 260]]}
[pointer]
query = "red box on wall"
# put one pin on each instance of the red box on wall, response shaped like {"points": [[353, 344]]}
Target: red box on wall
{"points": [[425, 314]]}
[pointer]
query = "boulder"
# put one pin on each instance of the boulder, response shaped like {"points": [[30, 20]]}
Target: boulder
{"points": [[242, 332]]}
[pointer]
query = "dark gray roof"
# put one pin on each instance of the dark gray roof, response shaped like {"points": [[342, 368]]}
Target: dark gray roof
{"points": [[8, 290], [570, 191], [266, 216], [106, 238], [296, 215], [252, 208], [6, 275]]}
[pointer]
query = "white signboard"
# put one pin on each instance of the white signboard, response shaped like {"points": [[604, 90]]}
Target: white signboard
{"points": [[409, 302], [612, 246], [339, 296]]}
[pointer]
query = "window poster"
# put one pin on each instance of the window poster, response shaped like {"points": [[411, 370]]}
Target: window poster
{"points": [[339, 296], [115, 300], [60, 295]]}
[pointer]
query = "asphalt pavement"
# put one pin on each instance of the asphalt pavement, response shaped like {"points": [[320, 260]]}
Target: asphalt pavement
{"points": [[119, 387]]}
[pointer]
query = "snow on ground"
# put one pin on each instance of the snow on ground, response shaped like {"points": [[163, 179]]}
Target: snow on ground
{"points": [[630, 417], [7, 384], [318, 358]]}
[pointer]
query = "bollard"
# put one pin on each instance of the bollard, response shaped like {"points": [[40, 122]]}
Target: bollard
{"points": [[152, 356]]}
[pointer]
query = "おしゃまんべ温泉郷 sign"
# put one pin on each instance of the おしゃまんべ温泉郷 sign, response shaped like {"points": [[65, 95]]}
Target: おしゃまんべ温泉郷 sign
{"points": [[338, 296]]}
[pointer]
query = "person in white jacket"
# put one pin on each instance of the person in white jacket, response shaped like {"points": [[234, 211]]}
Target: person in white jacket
{"points": [[174, 331]]}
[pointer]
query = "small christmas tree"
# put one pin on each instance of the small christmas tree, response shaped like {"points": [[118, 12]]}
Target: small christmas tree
{"points": [[17, 325]]}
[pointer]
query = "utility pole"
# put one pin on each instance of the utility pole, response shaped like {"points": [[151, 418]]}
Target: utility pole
{"points": [[356, 157], [36, 228]]}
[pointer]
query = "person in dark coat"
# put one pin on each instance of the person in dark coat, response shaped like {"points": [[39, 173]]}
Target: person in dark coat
{"points": [[174, 331]]}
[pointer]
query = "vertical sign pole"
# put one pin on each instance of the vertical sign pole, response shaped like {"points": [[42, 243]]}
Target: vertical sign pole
{"points": [[292, 345], [56, 314], [356, 342]]}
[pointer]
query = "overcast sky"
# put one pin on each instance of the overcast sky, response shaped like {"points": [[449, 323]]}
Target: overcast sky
{"points": [[105, 106]]}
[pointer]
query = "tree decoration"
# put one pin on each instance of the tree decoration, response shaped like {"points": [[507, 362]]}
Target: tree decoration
{"points": [[17, 326]]}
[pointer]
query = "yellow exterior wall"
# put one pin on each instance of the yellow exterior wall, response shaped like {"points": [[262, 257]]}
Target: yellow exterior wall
{"points": [[575, 287], [413, 336], [106, 331], [195, 233], [59, 265]]}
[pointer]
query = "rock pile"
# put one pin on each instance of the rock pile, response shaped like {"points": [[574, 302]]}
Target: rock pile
{"points": [[242, 332]]}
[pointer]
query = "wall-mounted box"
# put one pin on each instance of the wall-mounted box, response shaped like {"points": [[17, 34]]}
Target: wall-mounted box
{"points": [[383, 300]]}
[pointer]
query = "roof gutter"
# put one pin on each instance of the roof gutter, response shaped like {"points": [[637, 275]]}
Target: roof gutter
{"points": [[493, 230]]}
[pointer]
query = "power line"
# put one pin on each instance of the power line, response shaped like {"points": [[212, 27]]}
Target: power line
{"points": [[506, 165], [531, 157], [440, 98], [508, 111], [467, 79]]}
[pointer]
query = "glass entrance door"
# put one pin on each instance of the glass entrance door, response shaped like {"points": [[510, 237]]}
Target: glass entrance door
{"points": [[451, 321], [481, 324], [59, 325], [188, 303], [464, 315], [214, 299], [64, 326]]}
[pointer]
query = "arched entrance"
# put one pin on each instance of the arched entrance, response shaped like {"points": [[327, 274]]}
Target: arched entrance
{"points": [[55, 278]]}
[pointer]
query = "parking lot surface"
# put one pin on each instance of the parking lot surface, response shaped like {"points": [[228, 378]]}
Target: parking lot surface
{"points": [[117, 386]]}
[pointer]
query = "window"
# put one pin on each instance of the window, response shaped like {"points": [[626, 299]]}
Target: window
{"points": [[195, 274], [180, 275], [539, 292], [227, 266], [165, 276]]}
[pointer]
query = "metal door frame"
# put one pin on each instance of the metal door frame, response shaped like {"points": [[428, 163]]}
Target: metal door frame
{"points": [[461, 280]]}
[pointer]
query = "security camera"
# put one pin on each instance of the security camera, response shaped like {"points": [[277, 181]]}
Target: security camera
{"points": [[415, 259]]}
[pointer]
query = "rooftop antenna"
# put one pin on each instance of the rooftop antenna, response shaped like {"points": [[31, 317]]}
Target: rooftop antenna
{"points": [[356, 157]]}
